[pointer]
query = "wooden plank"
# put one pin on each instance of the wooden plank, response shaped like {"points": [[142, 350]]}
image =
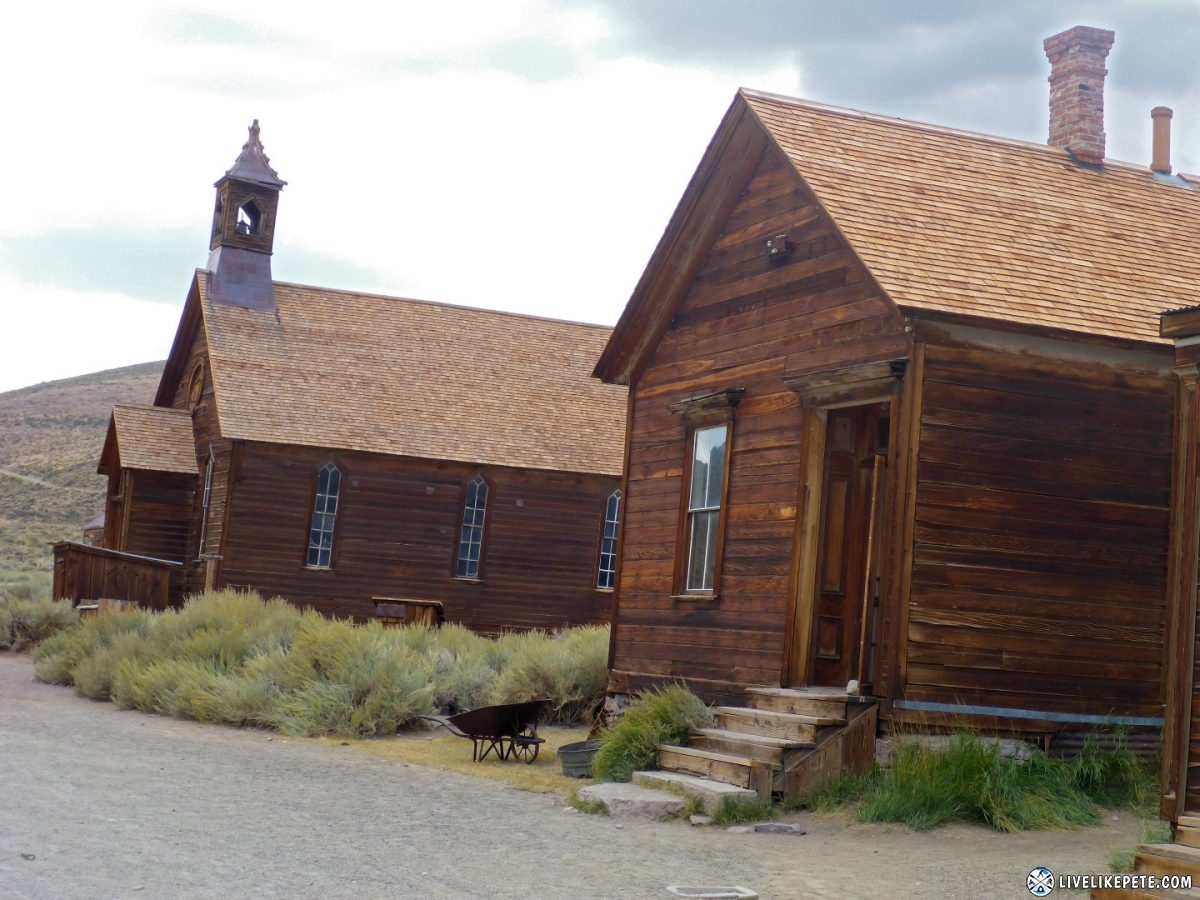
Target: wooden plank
{"points": [[769, 724], [738, 771], [802, 599], [848, 750], [906, 466]]}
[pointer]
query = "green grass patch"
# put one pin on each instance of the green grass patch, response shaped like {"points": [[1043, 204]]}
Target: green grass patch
{"points": [[1154, 831], [585, 805], [233, 658], [739, 810], [970, 780], [658, 716]]}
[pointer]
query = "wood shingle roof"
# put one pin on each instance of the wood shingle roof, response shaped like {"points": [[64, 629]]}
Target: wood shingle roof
{"points": [[979, 226], [150, 438], [949, 223], [378, 374]]}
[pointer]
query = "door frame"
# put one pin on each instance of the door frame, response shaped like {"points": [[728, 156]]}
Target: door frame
{"points": [[859, 385]]}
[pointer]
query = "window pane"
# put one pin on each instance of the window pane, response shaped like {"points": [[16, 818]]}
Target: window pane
{"points": [[320, 535], [606, 571], [708, 467], [470, 541], [702, 551]]}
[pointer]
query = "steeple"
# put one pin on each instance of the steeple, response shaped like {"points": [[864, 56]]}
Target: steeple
{"points": [[243, 228]]}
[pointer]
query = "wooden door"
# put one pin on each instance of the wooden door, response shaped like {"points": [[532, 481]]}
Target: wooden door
{"points": [[856, 439]]}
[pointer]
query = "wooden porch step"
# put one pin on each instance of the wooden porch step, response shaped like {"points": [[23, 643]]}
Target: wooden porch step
{"points": [[740, 771], [788, 726], [1168, 859], [824, 702], [752, 746], [1188, 836]]}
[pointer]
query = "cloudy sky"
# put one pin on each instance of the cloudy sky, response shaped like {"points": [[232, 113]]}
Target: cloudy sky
{"points": [[514, 154]]}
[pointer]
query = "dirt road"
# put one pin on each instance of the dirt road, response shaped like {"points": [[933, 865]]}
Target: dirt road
{"points": [[97, 802]]}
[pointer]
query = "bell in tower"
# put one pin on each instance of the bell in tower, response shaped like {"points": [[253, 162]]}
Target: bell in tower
{"points": [[243, 229]]}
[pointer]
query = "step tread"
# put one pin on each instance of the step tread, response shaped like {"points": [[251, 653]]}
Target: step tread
{"points": [[690, 782], [697, 753], [761, 740], [783, 718], [832, 694], [1181, 852], [1189, 821]]}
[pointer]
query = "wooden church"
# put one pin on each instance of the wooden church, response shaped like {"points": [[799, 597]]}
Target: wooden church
{"points": [[901, 418], [359, 453]]}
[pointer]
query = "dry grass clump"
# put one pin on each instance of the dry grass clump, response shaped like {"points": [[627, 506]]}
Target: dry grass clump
{"points": [[25, 622], [664, 715], [233, 658]]}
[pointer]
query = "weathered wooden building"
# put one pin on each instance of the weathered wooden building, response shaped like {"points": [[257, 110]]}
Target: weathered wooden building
{"points": [[900, 414], [334, 447]]}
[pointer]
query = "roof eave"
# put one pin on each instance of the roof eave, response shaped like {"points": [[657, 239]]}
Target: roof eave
{"points": [[727, 161], [189, 321], [919, 314], [1180, 323], [110, 452]]}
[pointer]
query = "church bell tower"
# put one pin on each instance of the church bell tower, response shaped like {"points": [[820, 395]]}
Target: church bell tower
{"points": [[243, 229]]}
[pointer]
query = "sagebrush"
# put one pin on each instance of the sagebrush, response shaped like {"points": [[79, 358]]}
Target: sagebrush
{"points": [[234, 658], [28, 621]]}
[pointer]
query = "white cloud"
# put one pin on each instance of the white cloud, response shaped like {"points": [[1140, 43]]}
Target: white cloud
{"points": [[47, 334]]}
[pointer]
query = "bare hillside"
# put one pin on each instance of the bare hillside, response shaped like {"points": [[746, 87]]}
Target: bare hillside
{"points": [[51, 435]]}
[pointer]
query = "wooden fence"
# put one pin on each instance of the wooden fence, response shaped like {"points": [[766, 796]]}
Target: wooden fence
{"points": [[83, 573]]}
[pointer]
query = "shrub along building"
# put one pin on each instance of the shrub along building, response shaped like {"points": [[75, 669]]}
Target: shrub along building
{"points": [[900, 414], [333, 447]]}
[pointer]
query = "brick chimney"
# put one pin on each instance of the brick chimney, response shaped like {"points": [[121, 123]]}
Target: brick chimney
{"points": [[1077, 90]]}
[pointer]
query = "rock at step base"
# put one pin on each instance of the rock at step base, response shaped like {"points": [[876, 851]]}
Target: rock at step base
{"points": [[766, 828], [779, 828], [709, 793], [632, 801]]}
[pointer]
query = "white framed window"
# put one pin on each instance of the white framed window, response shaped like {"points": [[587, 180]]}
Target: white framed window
{"points": [[470, 542], [607, 570], [325, 507], [705, 494]]}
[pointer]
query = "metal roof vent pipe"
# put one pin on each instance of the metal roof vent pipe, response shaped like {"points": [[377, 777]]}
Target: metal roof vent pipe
{"points": [[1160, 162]]}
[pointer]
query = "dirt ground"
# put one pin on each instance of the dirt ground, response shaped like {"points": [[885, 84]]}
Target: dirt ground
{"points": [[99, 802]]}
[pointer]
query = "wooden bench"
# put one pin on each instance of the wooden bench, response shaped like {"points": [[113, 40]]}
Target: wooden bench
{"points": [[508, 729]]}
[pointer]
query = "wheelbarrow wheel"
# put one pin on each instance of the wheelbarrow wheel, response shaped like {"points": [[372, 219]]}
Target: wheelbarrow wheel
{"points": [[527, 753], [525, 746]]}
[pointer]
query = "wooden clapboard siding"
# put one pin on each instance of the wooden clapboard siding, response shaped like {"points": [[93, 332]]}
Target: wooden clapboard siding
{"points": [[1181, 732], [396, 535], [83, 573], [743, 323], [160, 511], [1039, 534], [196, 365]]}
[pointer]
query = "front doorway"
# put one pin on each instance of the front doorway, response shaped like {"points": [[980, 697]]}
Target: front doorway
{"points": [[836, 603]]}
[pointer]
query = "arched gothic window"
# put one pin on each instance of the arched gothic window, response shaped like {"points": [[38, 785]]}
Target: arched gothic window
{"points": [[320, 533], [607, 570], [470, 542]]}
